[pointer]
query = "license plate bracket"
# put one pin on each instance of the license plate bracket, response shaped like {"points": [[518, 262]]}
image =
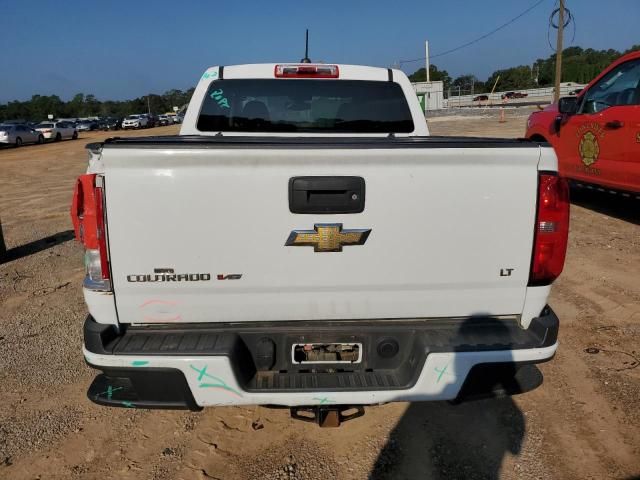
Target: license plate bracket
{"points": [[323, 353]]}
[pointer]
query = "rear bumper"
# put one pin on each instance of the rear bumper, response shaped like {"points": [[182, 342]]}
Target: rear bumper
{"points": [[192, 366]]}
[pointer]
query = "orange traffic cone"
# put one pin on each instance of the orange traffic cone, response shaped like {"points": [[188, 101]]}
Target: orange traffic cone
{"points": [[502, 120]]}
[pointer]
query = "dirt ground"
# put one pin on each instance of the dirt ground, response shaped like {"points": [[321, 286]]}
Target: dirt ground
{"points": [[582, 423]]}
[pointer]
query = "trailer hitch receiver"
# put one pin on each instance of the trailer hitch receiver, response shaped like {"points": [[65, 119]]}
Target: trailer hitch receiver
{"points": [[327, 416]]}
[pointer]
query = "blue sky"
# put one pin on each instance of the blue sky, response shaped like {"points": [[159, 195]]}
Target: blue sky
{"points": [[124, 49]]}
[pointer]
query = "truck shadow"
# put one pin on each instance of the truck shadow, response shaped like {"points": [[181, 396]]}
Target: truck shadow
{"points": [[465, 439], [35, 246], [437, 440], [617, 206]]}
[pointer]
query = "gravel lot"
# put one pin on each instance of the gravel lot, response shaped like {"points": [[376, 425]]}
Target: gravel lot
{"points": [[582, 423]]}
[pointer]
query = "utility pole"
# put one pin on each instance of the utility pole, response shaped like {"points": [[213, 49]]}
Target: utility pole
{"points": [[556, 93], [148, 106], [426, 47]]}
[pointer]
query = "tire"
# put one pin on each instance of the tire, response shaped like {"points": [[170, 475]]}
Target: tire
{"points": [[75, 135], [40, 139], [18, 142], [58, 137]]}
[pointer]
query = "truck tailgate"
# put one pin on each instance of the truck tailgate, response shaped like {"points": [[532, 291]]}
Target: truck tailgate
{"points": [[197, 232]]}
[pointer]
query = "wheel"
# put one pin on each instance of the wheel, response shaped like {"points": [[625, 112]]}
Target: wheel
{"points": [[58, 137], [18, 142], [40, 139], [75, 135]]}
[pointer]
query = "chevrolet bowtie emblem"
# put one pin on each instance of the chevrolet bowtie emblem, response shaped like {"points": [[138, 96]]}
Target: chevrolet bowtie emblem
{"points": [[327, 237]]}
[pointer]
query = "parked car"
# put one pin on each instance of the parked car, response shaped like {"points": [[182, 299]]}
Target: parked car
{"points": [[57, 130], [111, 123], [135, 121], [151, 120], [596, 134], [87, 125], [510, 95], [305, 292], [19, 134], [163, 120], [481, 98]]}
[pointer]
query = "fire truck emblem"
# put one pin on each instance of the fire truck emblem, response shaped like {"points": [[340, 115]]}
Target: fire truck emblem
{"points": [[589, 149]]}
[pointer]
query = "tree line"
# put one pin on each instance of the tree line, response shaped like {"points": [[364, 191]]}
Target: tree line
{"points": [[81, 105], [578, 65]]}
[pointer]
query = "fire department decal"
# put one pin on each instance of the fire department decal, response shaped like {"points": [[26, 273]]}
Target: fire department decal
{"points": [[589, 149], [588, 136]]}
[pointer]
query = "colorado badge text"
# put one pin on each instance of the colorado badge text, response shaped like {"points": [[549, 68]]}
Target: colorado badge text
{"points": [[327, 237]]}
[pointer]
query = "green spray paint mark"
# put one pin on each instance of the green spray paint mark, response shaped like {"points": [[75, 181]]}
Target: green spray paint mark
{"points": [[219, 383], [217, 95], [139, 363], [208, 75], [128, 404], [109, 391], [324, 400], [441, 372]]}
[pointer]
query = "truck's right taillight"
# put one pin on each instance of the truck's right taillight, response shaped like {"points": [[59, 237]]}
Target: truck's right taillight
{"points": [[551, 230], [87, 215]]}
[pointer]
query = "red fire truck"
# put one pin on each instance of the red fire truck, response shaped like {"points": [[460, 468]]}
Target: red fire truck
{"points": [[596, 134]]}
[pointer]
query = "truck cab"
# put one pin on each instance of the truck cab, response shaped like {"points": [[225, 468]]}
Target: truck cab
{"points": [[596, 134]]}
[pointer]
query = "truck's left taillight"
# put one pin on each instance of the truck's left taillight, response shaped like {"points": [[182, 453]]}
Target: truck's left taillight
{"points": [[88, 217]]}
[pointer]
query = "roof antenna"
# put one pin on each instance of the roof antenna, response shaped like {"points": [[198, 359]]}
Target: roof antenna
{"points": [[306, 58]]}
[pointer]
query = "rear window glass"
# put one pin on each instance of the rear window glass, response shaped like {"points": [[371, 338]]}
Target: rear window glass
{"points": [[45, 125], [309, 105]]}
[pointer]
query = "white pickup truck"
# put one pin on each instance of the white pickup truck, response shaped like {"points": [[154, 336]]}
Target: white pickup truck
{"points": [[304, 242]]}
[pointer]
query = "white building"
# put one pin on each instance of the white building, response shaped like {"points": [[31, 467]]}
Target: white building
{"points": [[431, 94]]}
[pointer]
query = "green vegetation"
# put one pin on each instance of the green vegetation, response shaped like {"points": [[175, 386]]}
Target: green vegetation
{"points": [[578, 65], [82, 105], [435, 75]]}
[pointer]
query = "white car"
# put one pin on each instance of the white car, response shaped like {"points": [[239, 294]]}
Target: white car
{"points": [[19, 134], [135, 121], [57, 131], [304, 242]]}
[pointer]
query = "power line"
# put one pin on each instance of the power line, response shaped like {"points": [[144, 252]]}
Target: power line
{"points": [[569, 19], [446, 52]]}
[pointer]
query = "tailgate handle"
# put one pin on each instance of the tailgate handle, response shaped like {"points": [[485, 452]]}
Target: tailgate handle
{"points": [[320, 195]]}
